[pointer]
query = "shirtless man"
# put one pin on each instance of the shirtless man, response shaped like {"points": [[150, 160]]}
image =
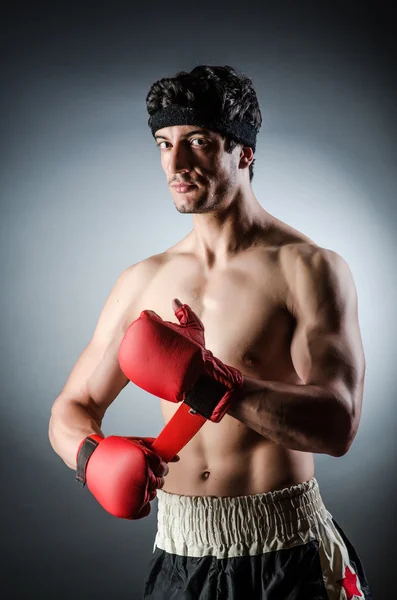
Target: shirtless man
{"points": [[239, 510]]}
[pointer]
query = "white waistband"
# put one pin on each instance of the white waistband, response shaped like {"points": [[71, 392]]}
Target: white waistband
{"points": [[239, 525]]}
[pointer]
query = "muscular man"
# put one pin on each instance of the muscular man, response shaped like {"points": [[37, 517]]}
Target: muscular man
{"points": [[240, 513]]}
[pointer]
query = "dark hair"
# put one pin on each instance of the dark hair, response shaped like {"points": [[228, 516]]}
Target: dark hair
{"points": [[223, 91]]}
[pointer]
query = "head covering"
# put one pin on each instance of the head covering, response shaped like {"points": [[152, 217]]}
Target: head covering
{"points": [[242, 131]]}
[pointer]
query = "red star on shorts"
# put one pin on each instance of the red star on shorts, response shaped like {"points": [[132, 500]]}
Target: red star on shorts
{"points": [[349, 584]]}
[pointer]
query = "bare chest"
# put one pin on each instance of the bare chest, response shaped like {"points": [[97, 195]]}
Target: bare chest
{"points": [[243, 309], [247, 325]]}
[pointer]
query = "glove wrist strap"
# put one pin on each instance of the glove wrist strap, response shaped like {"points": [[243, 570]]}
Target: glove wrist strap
{"points": [[83, 456], [205, 395]]}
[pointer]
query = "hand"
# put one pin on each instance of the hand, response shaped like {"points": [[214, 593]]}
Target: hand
{"points": [[171, 361], [122, 473], [163, 468]]}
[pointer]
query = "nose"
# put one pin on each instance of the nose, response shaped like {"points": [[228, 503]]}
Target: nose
{"points": [[178, 160]]}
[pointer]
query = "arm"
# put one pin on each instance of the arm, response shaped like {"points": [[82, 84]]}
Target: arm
{"points": [[122, 473], [323, 414], [95, 380]]}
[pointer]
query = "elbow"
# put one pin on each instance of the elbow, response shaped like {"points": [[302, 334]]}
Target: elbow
{"points": [[339, 451], [51, 431], [344, 431], [344, 447], [343, 438], [52, 434]]}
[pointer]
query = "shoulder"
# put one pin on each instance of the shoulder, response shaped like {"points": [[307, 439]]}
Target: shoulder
{"points": [[132, 279], [144, 269], [316, 274], [313, 259]]}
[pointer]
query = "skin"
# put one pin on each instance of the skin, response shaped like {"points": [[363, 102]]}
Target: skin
{"points": [[274, 304]]}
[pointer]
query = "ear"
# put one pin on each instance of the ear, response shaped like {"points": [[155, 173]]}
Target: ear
{"points": [[246, 157]]}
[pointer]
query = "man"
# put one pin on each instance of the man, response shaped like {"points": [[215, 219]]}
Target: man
{"points": [[240, 512]]}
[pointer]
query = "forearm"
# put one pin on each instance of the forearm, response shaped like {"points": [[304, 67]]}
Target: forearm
{"points": [[70, 423], [300, 417]]}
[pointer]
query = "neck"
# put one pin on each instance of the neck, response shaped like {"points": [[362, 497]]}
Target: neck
{"points": [[220, 235]]}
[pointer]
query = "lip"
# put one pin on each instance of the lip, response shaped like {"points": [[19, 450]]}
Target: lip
{"points": [[183, 187]]}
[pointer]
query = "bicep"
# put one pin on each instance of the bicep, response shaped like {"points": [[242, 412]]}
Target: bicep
{"points": [[326, 348], [96, 378], [330, 359]]}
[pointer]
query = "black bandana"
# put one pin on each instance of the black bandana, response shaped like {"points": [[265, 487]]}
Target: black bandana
{"points": [[242, 131]]}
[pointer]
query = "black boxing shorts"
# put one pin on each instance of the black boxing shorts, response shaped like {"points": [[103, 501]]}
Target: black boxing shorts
{"points": [[281, 545]]}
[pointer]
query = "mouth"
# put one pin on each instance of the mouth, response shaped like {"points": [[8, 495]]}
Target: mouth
{"points": [[183, 188]]}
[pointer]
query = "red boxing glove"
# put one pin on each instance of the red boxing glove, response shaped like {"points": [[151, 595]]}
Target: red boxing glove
{"points": [[120, 473], [171, 362]]}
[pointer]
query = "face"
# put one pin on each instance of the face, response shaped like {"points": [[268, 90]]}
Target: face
{"points": [[197, 157]]}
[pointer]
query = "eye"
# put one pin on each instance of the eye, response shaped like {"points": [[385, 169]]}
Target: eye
{"points": [[202, 141], [199, 140]]}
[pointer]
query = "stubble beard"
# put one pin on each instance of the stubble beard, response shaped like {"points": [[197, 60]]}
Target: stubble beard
{"points": [[208, 202]]}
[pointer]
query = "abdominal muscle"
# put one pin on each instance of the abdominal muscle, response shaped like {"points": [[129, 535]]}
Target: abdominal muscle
{"points": [[230, 459]]}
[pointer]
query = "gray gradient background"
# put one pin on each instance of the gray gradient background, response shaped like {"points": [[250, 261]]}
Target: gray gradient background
{"points": [[83, 196]]}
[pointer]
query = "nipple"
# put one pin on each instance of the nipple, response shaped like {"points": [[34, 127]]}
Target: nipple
{"points": [[250, 359]]}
